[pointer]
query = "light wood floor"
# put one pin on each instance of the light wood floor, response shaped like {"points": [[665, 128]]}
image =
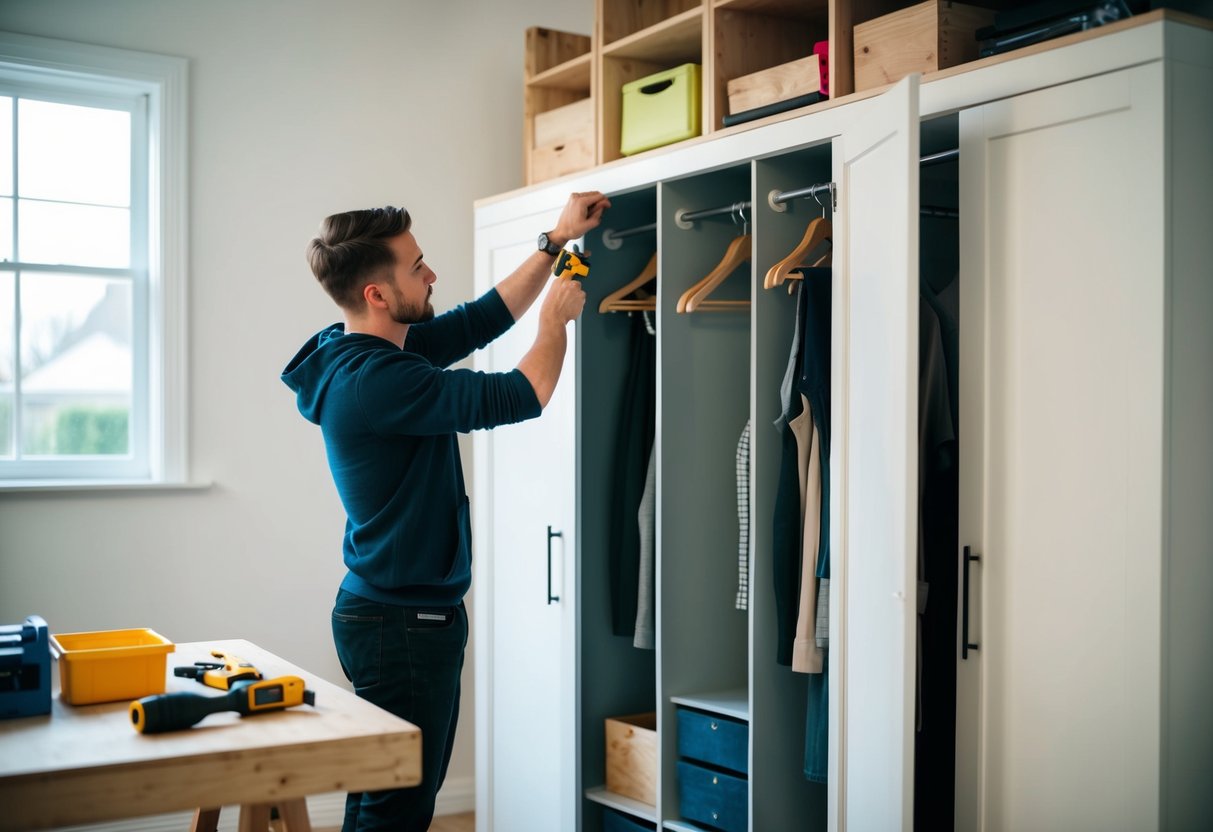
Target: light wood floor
{"points": [[455, 823], [447, 823]]}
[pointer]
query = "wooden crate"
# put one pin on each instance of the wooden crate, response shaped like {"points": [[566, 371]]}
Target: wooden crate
{"points": [[631, 756], [559, 135], [563, 140], [778, 83], [922, 38]]}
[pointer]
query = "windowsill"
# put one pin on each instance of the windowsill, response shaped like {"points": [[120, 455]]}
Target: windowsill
{"points": [[102, 486]]}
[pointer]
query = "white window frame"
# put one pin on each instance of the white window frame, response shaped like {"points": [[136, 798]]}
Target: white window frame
{"points": [[81, 72]]}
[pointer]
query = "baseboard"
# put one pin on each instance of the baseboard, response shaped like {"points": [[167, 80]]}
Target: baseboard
{"points": [[457, 795]]}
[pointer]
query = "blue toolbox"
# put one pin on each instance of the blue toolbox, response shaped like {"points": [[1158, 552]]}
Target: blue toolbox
{"points": [[25, 668]]}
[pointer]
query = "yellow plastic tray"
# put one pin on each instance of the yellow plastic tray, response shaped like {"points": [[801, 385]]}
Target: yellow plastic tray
{"points": [[110, 665]]}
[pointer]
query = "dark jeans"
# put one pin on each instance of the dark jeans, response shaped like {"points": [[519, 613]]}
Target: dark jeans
{"points": [[406, 660]]}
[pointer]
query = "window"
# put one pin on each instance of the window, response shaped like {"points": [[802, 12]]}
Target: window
{"points": [[92, 264]]}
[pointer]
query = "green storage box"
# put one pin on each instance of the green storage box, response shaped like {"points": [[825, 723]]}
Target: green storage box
{"points": [[660, 109]]}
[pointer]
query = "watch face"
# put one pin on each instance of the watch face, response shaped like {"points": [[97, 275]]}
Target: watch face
{"points": [[546, 245]]}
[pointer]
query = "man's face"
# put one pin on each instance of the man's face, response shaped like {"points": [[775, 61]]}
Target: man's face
{"points": [[411, 284]]}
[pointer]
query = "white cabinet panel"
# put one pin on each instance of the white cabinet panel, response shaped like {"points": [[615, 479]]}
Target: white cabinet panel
{"points": [[874, 464], [524, 578], [1061, 492]]}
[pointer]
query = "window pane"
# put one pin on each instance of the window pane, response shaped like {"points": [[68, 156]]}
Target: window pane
{"points": [[7, 326], [73, 235], [6, 145], [6, 228], [71, 153], [76, 365]]}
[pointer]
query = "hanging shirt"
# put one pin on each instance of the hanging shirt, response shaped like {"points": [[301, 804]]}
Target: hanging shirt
{"points": [[935, 741], [646, 604], [806, 656], [814, 383], [743, 518], [934, 434]]}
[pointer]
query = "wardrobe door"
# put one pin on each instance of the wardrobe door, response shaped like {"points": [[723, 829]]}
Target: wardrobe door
{"points": [[1062, 383], [524, 582], [874, 465]]}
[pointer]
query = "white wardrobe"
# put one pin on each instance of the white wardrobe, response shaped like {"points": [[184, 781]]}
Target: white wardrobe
{"points": [[1085, 197]]}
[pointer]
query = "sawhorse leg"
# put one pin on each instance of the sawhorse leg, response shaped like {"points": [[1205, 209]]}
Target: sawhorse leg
{"points": [[205, 820], [255, 817]]}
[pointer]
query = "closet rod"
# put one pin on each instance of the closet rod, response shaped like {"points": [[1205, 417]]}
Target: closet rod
{"points": [[780, 197], [776, 199], [941, 156], [611, 238], [684, 217]]}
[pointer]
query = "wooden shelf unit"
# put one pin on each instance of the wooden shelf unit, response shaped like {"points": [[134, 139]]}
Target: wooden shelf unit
{"points": [[621, 19], [637, 42], [752, 35], [558, 135], [727, 38]]}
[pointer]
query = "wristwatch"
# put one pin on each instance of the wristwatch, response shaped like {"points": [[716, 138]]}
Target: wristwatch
{"points": [[546, 244]]}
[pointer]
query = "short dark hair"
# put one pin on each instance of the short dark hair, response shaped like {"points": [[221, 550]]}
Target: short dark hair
{"points": [[352, 248]]}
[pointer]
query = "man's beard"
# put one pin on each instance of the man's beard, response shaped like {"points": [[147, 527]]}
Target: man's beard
{"points": [[405, 314]]}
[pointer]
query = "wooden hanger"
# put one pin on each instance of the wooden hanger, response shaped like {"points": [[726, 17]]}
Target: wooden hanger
{"points": [[618, 300], [695, 298], [819, 231]]}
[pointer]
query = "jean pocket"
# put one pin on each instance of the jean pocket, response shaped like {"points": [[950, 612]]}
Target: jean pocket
{"points": [[359, 642]]}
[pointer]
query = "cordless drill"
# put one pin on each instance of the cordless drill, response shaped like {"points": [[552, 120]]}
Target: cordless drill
{"points": [[247, 693], [572, 263]]}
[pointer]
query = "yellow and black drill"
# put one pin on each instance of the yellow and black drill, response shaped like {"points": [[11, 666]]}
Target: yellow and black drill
{"points": [[247, 693], [572, 264]]}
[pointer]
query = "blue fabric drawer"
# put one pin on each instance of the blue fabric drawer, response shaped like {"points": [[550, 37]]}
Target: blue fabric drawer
{"points": [[720, 800], [613, 821], [714, 739]]}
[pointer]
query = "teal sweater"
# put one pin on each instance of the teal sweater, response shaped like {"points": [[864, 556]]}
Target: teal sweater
{"points": [[389, 419]]}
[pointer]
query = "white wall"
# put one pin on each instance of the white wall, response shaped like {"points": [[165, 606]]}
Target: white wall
{"points": [[298, 109]]}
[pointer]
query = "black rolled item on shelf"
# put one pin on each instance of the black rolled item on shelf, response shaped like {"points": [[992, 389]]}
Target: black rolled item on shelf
{"points": [[772, 109]]}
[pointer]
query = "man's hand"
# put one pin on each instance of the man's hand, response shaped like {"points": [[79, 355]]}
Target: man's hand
{"points": [[564, 301], [582, 212]]}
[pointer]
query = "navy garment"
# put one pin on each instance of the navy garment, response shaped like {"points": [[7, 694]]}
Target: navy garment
{"points": [[787, 532], [817, 727], [406, 660], [814, 382], [633, 445], [389, 418], [935, 743]]}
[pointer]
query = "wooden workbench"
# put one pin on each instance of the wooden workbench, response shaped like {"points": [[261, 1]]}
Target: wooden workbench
{"points": [[84, 764]]}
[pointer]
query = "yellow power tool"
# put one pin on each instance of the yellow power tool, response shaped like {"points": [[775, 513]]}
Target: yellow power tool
{"points": [[222, 674], [572, 264], [174, 711]]}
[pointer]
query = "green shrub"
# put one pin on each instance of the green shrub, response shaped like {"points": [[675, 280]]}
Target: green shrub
{"points": [[91, 430]]}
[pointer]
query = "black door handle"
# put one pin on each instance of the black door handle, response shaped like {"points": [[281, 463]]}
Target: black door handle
{"points": [[551, 534], [965, 644]]}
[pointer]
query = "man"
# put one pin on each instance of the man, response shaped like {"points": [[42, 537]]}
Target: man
{"points": [[389, 410]]}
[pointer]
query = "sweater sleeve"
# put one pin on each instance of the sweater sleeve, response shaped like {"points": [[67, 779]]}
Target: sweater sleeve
{"points": [[457, 333], [404, 394]]}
